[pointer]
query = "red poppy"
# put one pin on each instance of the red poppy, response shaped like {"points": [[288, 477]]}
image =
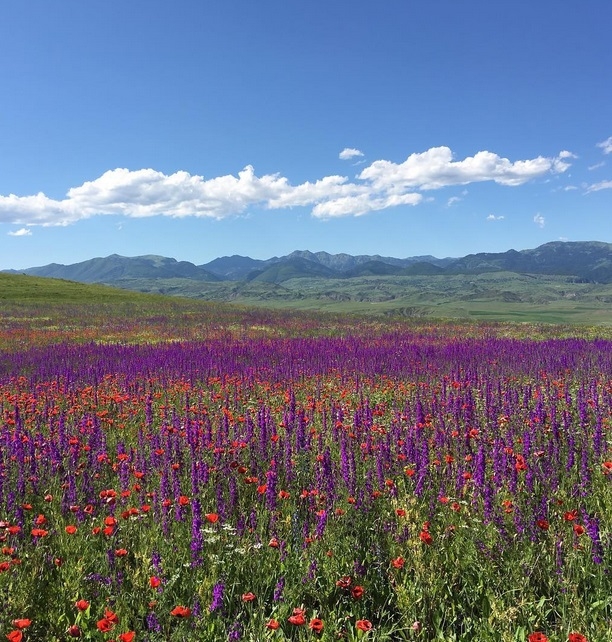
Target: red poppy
{"points": [[344, 582], [110, 616], [425, 537], [543, 524], [273, 543], [272, 624], [363, 625], [298, 620], [128, 636], [248, 597], [570, 515], [213, 518], [14, 636], [104, 625], [154, 581], [22, 623], [181, 611], [398, 562], [400, 512], [316, 625], [74, 631], [71, 529], [357, 592], [183, 500], [576, 637], [39, 532], [537, 637], [579, 530], [120, 552], [82, 605]]}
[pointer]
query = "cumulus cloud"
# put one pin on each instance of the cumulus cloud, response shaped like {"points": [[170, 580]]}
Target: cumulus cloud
{"points": [[492, 217], [539, 220], [24, 231], [381, 185], [606, 145], [362, 204], [349, 152], [435, 168]]}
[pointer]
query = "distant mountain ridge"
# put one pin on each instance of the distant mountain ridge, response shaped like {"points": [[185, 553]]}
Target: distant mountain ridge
{"points": [[586, 261], [114, 268]]}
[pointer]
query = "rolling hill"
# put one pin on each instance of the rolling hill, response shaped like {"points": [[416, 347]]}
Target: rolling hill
{"points": [[555, 282]]}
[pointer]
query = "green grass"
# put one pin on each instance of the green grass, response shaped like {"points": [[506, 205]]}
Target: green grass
{"points": [[485, 297], [500, 296], [19, 288]]}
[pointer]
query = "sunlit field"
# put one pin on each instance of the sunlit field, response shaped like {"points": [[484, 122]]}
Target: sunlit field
{"points": [[262, 476]]}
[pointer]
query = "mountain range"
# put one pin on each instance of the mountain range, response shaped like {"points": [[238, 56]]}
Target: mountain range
{"points": [[587, 262]]}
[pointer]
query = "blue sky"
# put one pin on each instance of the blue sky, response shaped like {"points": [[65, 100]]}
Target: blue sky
{"points": [[199, 129]]}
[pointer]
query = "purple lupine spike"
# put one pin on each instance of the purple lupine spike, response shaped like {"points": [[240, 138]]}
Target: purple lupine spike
{"points": [[278, 590], [271, 490], [592, 529], [216, 604]]}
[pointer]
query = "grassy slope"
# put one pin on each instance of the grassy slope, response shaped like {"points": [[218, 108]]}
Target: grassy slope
{"points": [[494, 296], [19, 288], [501, 296]]}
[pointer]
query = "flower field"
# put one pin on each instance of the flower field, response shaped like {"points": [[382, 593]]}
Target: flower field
{"points": [[284, 482]]}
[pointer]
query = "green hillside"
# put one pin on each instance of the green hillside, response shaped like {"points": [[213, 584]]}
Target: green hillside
{"points": [[21, 288], [493, 296]]}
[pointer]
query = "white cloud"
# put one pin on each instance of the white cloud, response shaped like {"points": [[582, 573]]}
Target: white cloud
{"points": [[456, 199], [436, 168], [596, 187], [24, 231], [538, 219], [349, 152], [596, 166], [382, 184], [492, 217], [362, 204], [606, 145]]}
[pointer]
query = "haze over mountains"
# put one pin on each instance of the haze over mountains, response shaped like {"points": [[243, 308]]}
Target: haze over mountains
{"points": [[589, 262]]}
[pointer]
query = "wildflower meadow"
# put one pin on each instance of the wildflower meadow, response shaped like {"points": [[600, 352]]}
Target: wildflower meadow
{"points": [[282, 482]]}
